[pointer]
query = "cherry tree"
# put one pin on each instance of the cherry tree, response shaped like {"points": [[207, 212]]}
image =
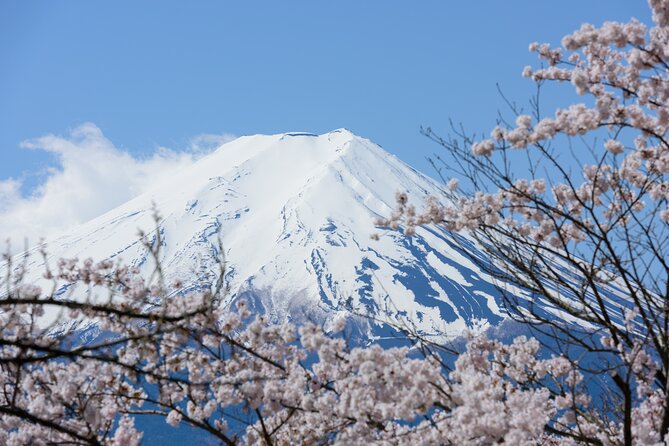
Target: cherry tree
{"points": [[572, 208], [242, 380]]}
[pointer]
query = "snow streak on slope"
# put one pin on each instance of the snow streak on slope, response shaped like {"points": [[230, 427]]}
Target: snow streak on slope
{"points": [[295, 213]]}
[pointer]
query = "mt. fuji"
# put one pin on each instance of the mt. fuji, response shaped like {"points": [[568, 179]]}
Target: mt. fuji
{"points": [[294, 213]]}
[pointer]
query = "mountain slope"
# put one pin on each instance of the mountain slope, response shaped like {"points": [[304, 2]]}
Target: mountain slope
{"points": [[295, 213]]}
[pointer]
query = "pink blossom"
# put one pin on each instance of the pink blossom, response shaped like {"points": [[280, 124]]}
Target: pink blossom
{"points": [[483, 148]]}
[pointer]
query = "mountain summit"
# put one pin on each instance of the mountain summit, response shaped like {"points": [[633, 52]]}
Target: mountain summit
{"points": [[294, 213]]}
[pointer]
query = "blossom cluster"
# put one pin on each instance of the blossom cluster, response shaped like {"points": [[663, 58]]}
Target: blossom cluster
{"points": [[585, 240], [621, 67], [193, 362]]}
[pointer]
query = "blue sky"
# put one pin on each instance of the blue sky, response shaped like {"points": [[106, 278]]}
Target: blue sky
{"points": [[156, 74]]}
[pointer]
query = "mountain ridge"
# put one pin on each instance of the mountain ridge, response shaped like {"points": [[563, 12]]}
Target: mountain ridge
{"points": [[295, 212]]}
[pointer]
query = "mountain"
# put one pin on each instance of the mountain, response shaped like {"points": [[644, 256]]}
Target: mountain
{"points": [[294, 213]]}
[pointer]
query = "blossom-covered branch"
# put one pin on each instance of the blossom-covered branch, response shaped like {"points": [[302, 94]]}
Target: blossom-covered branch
{"points": [[573, 210]]}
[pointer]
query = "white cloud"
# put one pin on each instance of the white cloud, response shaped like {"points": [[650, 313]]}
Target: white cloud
{"points": [[92, 176], [206, 142]]}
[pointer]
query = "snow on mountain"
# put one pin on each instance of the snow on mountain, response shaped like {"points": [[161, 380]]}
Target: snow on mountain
{"points": [[295, 213]]}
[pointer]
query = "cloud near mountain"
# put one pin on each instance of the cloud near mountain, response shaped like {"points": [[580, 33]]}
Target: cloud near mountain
{"points": [[90, 177]]}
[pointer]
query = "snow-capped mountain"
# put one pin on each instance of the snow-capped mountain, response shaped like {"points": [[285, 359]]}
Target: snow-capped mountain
{"points": [[295, 213]]}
